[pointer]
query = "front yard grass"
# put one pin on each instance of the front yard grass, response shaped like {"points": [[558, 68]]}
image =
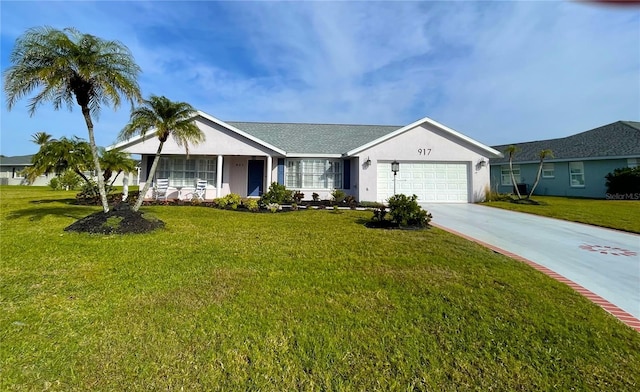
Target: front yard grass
{"points": [[615, 214], [309, 300]]}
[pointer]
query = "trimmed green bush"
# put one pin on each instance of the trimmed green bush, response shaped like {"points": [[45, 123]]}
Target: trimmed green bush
{"points": [[54, 183], [405, 211], [278, 194], [251, 205], [232, 201]]}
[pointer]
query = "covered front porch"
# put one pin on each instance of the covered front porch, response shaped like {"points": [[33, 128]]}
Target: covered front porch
{"points": [[247, 176]]}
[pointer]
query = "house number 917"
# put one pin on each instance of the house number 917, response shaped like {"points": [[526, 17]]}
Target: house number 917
{"points": [[424, 151]]}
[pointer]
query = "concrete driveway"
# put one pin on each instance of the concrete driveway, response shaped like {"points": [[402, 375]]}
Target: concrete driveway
{"points": [[605, 262]]}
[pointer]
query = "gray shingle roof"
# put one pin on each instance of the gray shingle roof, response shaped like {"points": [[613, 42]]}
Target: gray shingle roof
{"points": [[314, 138], [618, 139], [19, 160]]}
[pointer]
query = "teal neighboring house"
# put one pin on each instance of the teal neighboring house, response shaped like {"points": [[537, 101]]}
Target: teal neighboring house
{"points": [[579, 165]]}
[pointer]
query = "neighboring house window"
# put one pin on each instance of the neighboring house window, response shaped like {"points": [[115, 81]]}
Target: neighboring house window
{"points": [[17, 173], [548, 170], [633, 162], [576, 174], [313, 173], [185, 172], [506, 174]]}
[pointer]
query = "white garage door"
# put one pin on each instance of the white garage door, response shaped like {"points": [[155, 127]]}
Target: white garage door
{"points": [[432, 182]]}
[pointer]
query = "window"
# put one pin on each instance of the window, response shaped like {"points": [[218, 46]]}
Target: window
{"points": [[633, 162], [18, 173], [185, 172], [576, 174], [548, 170], [506, 174], [313, 173]]}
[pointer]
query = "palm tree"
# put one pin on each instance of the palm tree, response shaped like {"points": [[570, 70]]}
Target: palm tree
{"points": [[58, 156], [167, 118], [511, 151], [541, 155], [41, 138], [68, 66], [115, 161]]}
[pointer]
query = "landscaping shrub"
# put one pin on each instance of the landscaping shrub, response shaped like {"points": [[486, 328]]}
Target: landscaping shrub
{"points": [[251, 205], [338, 195], [278, 194], [297, 197], [274, 207], [624, 180], [89, 193], [54, 183], [69, 180], [232, 201], [405, 211], [379, 213]]}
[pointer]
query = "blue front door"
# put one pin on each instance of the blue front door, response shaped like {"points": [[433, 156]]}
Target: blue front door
{"points": [[256, 171]]}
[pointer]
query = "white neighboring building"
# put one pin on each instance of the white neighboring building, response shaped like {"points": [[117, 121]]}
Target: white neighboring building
{"points": [[11, 173]]}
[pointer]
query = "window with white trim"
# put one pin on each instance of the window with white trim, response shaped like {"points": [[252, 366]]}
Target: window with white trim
{"points": [[548, 170], [313, 173], [185, 172], [633, 162], [576, 174], [505, 174]]}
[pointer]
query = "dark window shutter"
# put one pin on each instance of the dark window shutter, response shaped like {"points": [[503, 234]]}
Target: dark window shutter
{"points": [[346, 174], [280, 171]]}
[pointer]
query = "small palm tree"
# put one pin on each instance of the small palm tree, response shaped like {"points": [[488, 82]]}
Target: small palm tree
{"points": [[511, 151], [58, 156], [41, 138], [167, 118], [115, 161], [541, 155], [70, 67]]}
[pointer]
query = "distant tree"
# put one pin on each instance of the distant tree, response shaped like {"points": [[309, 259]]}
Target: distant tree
{"points": [[541, 156], [58, 156], [166, 118], [70, 67], [115, 161], [511, 151], [41, 138]]}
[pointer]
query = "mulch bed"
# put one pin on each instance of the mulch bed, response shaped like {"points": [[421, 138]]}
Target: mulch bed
{"points": [[121, 219]]}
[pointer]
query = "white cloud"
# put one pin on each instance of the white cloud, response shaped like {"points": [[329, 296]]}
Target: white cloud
{"points": [[499, 72]]}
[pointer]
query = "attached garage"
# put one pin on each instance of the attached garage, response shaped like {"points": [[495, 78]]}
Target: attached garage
{"points": [[439, 182]]}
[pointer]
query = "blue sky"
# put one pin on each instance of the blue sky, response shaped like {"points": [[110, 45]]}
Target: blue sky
{"points": [[499, 72]]}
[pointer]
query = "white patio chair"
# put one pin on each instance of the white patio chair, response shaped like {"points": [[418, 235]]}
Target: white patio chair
{"points": [[161, 188], [201, 189]]}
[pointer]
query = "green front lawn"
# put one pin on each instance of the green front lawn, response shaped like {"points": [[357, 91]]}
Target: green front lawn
{"points": [[614, 214], [308, 300]]}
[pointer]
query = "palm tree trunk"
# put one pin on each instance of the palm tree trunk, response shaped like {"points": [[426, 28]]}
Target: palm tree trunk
{"points": [[513, 178], [81, 174], [116, 177], [535, 184], [152, 173], [96, 160]]}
